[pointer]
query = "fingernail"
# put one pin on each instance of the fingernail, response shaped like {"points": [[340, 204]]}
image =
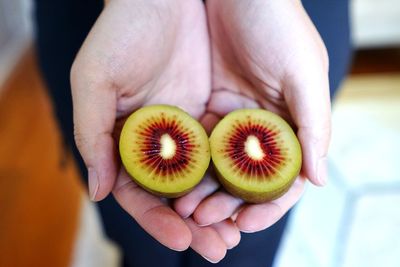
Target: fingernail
{"points": [[247, 231], [185, 216], [204, 225], [179, 250], [322, 171], [210, 260], [93, 184]]}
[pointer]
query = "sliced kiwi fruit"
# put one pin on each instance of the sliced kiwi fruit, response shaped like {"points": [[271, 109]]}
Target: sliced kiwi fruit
{"points": [[164, 150], [256, 154]]}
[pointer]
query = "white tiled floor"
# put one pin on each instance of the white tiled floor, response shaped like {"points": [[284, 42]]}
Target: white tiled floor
{"points": [[355, 220]]}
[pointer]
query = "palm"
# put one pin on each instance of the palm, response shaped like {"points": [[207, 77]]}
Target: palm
{"points": [[254, 58], [166, 60]]}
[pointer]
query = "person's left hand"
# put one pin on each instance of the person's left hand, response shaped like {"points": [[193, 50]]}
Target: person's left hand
{"points": [[141, 53], [266, 54]]}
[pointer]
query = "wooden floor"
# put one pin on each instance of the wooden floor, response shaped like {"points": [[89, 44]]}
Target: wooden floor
{"points": [[375, 61], [39, 196]]}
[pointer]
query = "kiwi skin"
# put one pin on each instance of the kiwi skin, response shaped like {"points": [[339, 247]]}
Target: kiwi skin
{"points": [[252, 197], [162, 194], [260, 196]]}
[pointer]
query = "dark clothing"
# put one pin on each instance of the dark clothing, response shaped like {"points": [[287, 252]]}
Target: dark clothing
{"points": [[331, 17], [62, 26]]}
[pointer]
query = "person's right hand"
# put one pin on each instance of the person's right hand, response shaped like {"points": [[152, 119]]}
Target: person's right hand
{"points": [[140, 53], [265, 54]]}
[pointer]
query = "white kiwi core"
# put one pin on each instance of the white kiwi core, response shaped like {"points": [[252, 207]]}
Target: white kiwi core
{"points": [[253, 149], [168, 147]]}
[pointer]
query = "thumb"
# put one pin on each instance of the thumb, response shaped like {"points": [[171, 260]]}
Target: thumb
{"points": [[309, 104], [94, 106]]}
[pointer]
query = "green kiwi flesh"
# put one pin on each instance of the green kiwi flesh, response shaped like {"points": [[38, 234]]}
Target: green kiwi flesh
{"points": [[256, 154], [164, 150]]}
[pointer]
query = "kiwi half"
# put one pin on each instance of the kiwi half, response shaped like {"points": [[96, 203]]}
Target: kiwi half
{"points": [[256, 154], [164, 149]]}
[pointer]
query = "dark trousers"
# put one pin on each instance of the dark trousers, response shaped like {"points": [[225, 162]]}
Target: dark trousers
{"points": [[62, 26]]}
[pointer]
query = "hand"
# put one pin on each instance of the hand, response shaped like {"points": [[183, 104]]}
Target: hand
{"points": [[140, 53], [265, 54]]}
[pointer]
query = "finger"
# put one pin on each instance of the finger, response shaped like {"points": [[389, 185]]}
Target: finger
{"points": [[216, 208], [94, 104], [309, 104], [206, 242], [209, 120], [186, 205], [257, 217], [224, 101], [154, 216], [234, 215], [229, 232]]}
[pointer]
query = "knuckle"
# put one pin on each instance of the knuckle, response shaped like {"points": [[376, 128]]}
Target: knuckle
{"points": [[316, 135], [81, 140], [75, 71], [325, 58]]}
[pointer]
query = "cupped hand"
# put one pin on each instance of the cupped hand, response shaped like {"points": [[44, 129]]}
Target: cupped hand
{"points": [[265, 54], [140, 53]]}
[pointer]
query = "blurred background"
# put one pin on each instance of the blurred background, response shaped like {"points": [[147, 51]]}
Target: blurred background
{"points": [[46, 218]]}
